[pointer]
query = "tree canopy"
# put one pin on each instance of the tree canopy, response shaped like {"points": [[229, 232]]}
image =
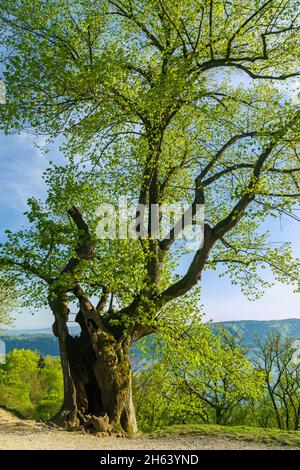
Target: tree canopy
{"points": [[145, 94]]}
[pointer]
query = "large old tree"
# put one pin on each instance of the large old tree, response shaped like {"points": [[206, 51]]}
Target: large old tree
{"points": [[148, 97]]}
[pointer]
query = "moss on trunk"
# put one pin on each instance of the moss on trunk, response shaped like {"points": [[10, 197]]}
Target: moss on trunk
{"points": [[97, 379]]}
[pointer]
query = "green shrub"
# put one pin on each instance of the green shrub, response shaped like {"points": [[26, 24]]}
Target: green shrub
{"points": [[30, 384]]}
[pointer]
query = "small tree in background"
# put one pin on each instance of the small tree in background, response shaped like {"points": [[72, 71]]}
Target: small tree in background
{"points": [[279, 358], [202, 375]]}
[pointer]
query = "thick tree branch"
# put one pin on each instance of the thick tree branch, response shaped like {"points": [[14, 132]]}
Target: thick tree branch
{"points": [[122, 11], [84, 249], [221, 228], [103, 299], [233, 218], [245, 23], [222, 150], [199, 190], [90, 314], [193, 274], [232, 63], [235, 215], [239, 166]]}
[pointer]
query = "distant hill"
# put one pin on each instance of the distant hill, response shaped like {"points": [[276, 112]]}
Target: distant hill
{"points": [[40, 331], [251, 329], [46, 344]]}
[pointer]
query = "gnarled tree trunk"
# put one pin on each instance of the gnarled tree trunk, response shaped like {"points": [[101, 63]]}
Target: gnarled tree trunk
{"points": [[97, 376]]}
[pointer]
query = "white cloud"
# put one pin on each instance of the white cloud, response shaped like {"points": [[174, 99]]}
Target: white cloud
{"points": [[21, 171], [22, 164]]}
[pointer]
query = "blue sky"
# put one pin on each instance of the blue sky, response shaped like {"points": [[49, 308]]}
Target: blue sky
{"points": [[21, 168]]}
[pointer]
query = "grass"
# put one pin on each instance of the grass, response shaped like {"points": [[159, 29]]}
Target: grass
{"points": [[270, 437]]}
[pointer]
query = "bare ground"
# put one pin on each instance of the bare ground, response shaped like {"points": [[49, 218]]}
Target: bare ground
{"points": [[17, 434]]}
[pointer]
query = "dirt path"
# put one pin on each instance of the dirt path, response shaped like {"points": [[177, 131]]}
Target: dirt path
{"points": [[19, 434]]}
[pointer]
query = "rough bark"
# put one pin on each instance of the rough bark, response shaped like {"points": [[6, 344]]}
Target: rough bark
{"points": [[97, 378], [67, 416]]}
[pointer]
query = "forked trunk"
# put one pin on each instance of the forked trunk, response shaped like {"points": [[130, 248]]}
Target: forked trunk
{"points": [[97, 379]]}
